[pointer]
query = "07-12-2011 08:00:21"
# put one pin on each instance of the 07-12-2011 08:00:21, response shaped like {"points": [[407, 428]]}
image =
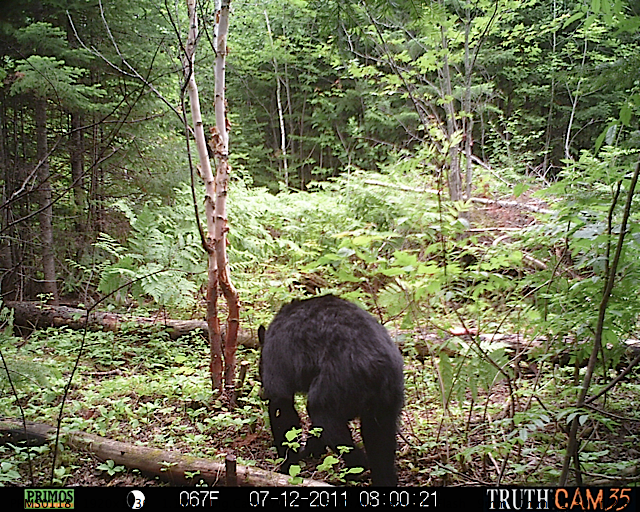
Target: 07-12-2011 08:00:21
{"points": [[365, 498]]}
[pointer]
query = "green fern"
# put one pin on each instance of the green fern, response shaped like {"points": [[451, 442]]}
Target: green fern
{"points": [[26, 373]]}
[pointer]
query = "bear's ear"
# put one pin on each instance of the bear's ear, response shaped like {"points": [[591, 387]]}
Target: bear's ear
{"points": [[261, 333]]}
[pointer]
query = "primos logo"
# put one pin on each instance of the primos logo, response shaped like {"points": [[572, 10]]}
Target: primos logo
{"points": [[48, 498]]}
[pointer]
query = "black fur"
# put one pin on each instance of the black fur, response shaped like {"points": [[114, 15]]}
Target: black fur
{"points": [[347, 364]]}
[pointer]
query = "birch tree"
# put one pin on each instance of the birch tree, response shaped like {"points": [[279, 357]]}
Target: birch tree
{"points": [[283, 138], [222, 362]]}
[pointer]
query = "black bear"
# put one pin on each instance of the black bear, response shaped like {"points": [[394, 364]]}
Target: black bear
{"points": [[347, 364]]}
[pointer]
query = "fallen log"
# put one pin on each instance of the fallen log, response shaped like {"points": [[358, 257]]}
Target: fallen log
{"points": [[35, 315], [169, 466]]}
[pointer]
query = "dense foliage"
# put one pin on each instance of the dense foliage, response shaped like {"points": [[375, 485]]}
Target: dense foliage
{"points": [[367, 143]]}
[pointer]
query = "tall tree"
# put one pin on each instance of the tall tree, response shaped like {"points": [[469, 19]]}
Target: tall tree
{"points": [[216, 190], [45, 78], [283, 135], [46, 205]]}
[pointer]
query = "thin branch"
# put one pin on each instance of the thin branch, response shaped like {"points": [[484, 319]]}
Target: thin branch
{"points": [[611, 384], [572, 445]]}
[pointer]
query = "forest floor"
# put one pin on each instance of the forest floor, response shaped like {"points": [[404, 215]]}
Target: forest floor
{"points": [[415, 468]]}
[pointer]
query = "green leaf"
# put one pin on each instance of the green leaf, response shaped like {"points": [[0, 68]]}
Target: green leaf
{"points": [[625, 114], [519, 189], [572, 18], [294, 470], [345, 252], [328, 463], [292, 434]]}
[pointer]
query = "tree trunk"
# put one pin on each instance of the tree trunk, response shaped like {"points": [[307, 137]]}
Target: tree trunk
{"points": [[15, 202], [95, 200], [46, 215], [466, 108], [76, 158], [454, 177], [222, 187], [575, 98], [7, 274], [552, 98], [283, 137], [215, 338], [216, 190]]}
